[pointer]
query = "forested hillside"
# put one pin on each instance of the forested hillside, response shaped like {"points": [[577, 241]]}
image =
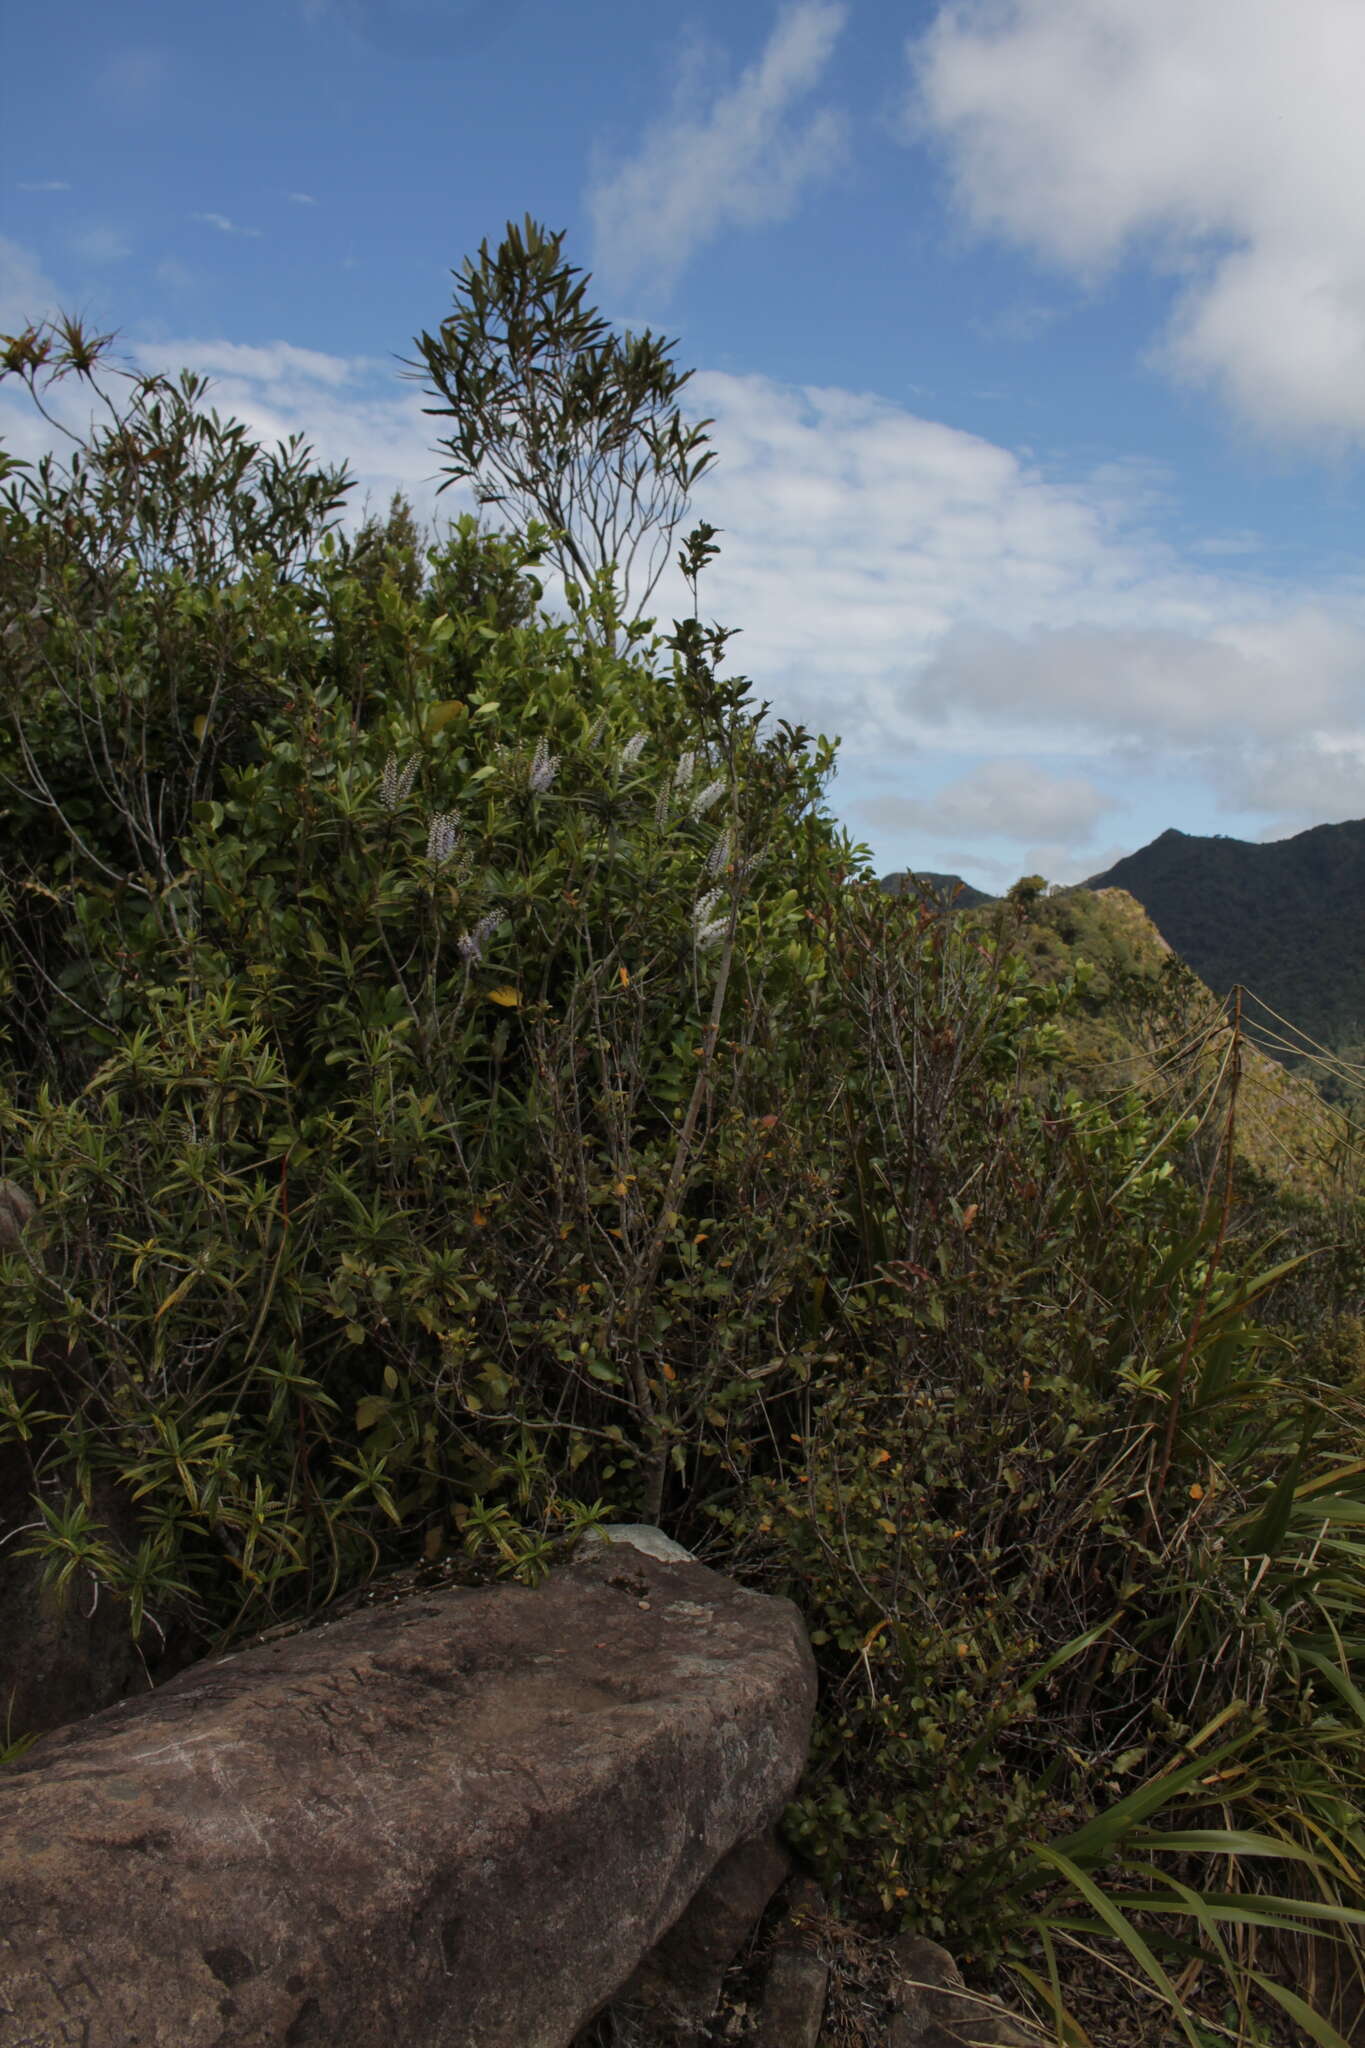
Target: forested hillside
{"points": [[1140, 1018], [1285, 919]]}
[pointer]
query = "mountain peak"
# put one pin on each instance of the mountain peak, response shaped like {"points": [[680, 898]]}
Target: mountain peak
{"points": [[1280, 917]]}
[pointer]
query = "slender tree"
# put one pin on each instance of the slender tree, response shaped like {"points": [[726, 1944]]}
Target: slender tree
{"points": [[560, 420]]}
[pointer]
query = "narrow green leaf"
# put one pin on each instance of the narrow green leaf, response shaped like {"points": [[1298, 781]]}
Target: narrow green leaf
{"points": [[1119, 1925], [1320, 2030]]}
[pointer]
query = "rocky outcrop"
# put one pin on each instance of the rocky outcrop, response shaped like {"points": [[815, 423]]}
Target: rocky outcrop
{"points": [[458, 1819]]}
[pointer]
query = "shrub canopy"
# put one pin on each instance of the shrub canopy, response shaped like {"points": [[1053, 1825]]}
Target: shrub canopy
{"points": [[471, 1085]]}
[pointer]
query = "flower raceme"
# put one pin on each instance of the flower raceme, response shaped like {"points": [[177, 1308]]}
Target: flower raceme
{"points": [[396, 783], [544, 768], [705, 925], [472, 943], [443, 836]]}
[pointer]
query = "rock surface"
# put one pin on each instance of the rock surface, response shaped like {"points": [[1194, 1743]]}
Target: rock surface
{"points": [[935, 2010], [640, 1536], [798, 1976], [459, 1819], [676, 1989]]}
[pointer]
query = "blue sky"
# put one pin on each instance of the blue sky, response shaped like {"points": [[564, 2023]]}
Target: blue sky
{"points": [[1033, 331]]}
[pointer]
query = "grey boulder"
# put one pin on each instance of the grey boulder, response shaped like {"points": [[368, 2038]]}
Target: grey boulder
{"points": [[461, 1819]]}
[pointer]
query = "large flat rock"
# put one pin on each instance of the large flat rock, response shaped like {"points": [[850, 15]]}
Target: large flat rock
{"points": [[457, 1821]]}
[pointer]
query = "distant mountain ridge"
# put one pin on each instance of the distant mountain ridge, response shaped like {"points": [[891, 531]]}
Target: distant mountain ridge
{"points": [[948, 888], [1284, 918]]}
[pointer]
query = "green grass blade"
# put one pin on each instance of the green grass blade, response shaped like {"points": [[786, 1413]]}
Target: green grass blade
{"points": [[1247, 1909], [1315, 2026], [1338, 1680], [1098, 1837], [1226, 1842], [1118, 1924], [1069, 2029]]}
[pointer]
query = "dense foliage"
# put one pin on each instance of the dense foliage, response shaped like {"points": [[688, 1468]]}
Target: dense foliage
{"points": [[470, 1085]]}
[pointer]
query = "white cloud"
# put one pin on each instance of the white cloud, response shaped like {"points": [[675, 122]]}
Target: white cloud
{"points": [[350, 410], [1240, 679], [1000, 799], [303, 199], [1319, 780], [43, 185], [277, 369], [858, 536], [741, 161], [936, 599], [100, 244], [1220, 139], [27, 294], [224, 225], [27, 298]]}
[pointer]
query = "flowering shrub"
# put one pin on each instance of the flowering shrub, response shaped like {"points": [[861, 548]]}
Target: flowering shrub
{"points": [[469, 1085]]}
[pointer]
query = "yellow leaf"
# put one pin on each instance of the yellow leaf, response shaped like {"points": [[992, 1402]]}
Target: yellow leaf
{"points": [[201, 726], [176, 1294], [889, 1527], [881, 1457], [620, 1190], [1196, 1491], [510, 998], [480, 1220], [668, 1372], [440, 715], [625, 977]]}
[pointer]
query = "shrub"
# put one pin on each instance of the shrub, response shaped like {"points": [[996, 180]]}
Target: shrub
{"points": [[470, 1084]]}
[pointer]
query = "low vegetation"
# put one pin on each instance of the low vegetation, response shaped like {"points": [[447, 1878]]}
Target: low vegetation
{"points": [[471, 1086]]}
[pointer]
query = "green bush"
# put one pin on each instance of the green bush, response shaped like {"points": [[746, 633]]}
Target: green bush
{"points": [[470, 1085]]}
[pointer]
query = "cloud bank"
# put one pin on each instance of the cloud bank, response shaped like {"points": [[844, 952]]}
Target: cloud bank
{"points": [[737, 158], [1219, 140]]}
